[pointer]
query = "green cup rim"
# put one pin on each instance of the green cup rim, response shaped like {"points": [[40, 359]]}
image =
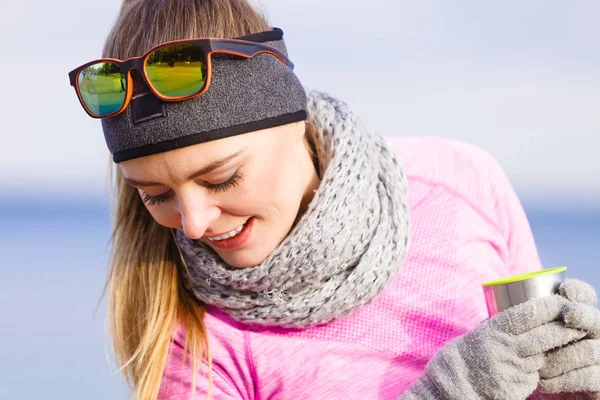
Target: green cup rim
{"points": [[525, 276]]}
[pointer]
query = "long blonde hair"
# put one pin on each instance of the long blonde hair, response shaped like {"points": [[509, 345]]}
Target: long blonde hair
{"points": [[146, 298]]}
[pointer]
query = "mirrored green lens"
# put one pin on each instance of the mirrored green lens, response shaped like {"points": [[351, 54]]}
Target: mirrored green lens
{"points": [[177, 70], [103, 88]]}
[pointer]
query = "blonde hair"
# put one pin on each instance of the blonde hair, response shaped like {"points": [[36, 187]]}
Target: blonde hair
{"points": [[146, 298]]}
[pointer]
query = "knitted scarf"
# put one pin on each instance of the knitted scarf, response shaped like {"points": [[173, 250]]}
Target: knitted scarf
{"points": [[341, 253]]}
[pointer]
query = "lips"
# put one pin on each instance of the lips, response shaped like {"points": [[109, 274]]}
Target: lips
{"points": [[228, 234], [236, 241]]}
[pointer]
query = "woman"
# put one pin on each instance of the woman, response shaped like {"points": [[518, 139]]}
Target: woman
{"points": [[261, 240]]}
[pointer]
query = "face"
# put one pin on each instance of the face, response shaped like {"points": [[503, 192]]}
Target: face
{"points": [[259, 181]]}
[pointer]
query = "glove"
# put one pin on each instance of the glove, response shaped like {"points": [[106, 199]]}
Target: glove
{"points": [[573, 372], [501, 358]]}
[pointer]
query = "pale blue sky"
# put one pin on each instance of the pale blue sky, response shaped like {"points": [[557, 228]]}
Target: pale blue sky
{"points": [[522, 80]]}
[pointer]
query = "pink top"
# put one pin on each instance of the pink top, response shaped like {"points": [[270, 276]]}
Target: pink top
{"points": [[467, 227]]}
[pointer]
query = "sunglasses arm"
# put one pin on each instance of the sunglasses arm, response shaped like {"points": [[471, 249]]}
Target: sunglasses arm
{"points": [[247, 49]]}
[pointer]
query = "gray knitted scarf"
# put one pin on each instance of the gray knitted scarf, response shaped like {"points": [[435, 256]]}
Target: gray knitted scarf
{"points": [[343, 250]]}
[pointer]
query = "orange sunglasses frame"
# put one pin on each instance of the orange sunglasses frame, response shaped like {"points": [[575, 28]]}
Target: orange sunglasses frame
{"points": [[236, 47]]}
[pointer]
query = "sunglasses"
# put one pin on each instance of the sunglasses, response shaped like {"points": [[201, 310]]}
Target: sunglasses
{"points": [[174, 71]]}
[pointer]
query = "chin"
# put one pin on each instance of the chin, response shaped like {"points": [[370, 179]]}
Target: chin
{"points": [[245, 259], [258, 251]]}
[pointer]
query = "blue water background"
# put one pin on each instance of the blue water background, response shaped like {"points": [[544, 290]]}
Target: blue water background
{"points": [[53, 263]]}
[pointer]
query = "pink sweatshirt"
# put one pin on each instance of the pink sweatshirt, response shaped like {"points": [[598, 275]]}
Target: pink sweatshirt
{"points": [[467, 227]]}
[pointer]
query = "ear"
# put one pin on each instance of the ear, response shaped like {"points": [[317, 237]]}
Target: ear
{"points": [[298, 130]]}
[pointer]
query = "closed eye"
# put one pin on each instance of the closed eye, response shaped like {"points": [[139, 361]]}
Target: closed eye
{"points": [[228, 184], [217, 188]]}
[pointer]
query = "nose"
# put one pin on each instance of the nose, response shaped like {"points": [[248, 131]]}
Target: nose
{"points": [[197, 216]]}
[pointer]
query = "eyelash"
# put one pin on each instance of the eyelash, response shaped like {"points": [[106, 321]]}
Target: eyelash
{"points": [[221, 187]]}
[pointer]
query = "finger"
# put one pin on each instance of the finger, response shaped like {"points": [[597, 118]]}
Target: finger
{"points": [[579, 291], [583, 317], [531, 314], [580, 380], [546, 337], [574, 356]]}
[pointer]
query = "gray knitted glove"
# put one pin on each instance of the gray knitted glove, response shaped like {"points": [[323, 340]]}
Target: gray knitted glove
{"points": [[573, 372], [501, 358]]}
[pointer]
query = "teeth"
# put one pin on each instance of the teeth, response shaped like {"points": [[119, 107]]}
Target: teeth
{"points": [[228, 234]]}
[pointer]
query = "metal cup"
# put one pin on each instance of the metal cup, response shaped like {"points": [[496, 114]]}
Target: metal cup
{"points": [[504, 293]]}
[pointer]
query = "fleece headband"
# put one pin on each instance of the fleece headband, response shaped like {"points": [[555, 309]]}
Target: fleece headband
{"points": [[245, 95]]}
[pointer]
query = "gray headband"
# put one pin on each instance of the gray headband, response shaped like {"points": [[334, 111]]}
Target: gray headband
{"points": [[245, 95]]}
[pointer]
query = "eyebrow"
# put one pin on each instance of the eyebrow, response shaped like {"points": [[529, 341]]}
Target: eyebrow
{"points": [[206, 170]]}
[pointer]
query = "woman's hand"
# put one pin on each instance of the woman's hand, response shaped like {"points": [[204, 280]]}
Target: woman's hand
{"points": [[573, 372], [501, 358]]}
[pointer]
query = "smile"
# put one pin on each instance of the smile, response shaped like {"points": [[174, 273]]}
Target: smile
{"points": [[228, 234]]}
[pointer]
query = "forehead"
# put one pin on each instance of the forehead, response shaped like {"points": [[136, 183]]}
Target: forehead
{"points": [[207, 151], [181, 161]]}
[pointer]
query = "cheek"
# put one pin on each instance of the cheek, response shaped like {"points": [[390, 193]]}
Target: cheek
{"points": [[277, 182], [165, 215], [167, 218]]}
